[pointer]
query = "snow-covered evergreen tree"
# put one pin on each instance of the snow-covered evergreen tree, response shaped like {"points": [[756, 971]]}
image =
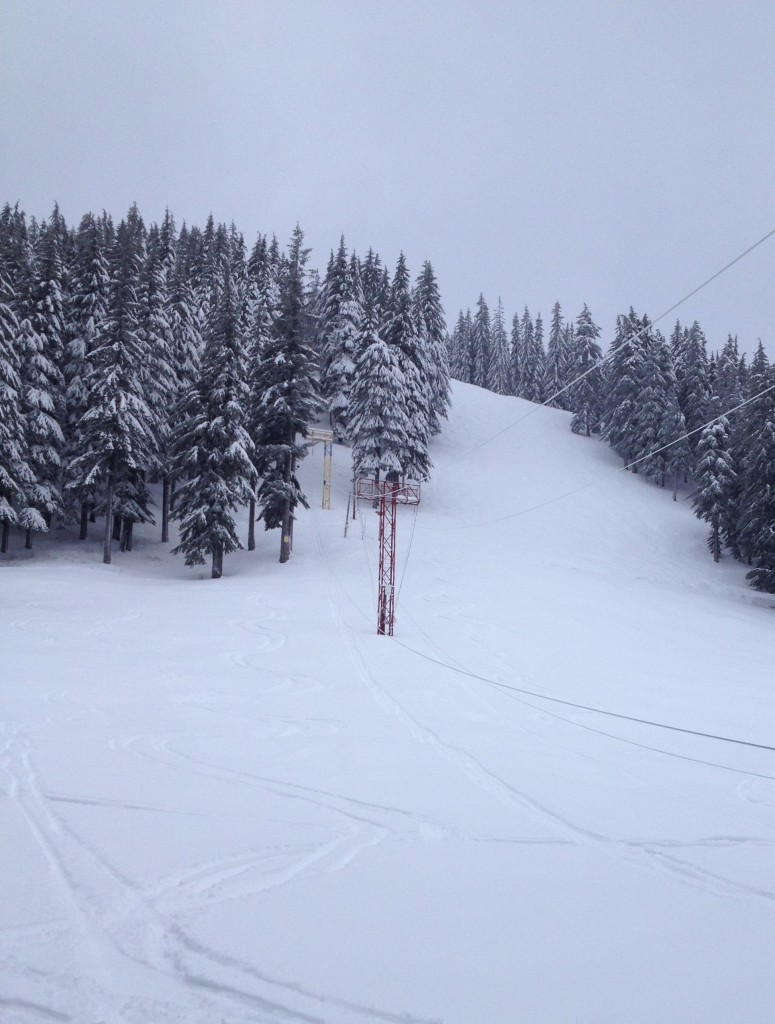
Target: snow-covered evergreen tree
{"points": [[90, 285], [330, 300], [657, 382], [375, 282], [759, 499], [41, 342], [534, 361], [483, 369], [557, 365], [752, 451], [400, 333], [431, 329], [459, 348], [678, 459], [716, 483], [162, 386], [16, 477], [516, 355], [501, 361], [378, 421], [341, 367], [290, 397], [586, 365], [728, 388], [212, 452], [116, 435], [691, 369], [621, 392]]}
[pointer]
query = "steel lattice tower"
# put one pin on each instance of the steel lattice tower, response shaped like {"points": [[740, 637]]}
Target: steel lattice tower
{"points": [[388, 494]]}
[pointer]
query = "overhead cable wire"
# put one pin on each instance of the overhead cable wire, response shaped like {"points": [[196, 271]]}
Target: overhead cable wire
{"points": [[408, 553], [588, 707]]}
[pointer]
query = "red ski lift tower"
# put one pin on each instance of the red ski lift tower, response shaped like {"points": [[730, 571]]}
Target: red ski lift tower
{"points": [[388, 494]]}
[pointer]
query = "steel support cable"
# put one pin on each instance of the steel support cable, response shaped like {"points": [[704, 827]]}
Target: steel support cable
{"points": [[642, 746], [587, 707], [408, 553], [600, 362]]}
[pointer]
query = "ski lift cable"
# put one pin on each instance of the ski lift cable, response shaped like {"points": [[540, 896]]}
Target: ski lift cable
{"points": [[408, 553], [608, 355], [368, 560], [587, 707]]}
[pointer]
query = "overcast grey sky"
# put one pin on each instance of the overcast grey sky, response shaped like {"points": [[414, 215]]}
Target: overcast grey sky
{"points": [[614, 153]]}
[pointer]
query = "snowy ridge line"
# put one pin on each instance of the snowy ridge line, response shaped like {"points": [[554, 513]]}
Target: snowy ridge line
{"points": [[593, 483], [607, 356], [598, 711]]}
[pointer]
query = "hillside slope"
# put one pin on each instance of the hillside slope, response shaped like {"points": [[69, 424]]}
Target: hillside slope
{"points": [[231, 801]]}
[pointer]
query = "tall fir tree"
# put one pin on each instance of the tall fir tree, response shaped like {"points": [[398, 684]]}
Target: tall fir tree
{"points": [[116, 434], [343, 332], [501, 362], [42, 333], [290, 398], [715, 479], [16, 476], [400, 333], [587, 375], [691, 367], [556, 375], [378, 421], [657, 381], [621, 392], [162, 385], [678, 457], [90, 295], [212, 452], [516, 354], [483, 369], [458, 348], [431, 330]]}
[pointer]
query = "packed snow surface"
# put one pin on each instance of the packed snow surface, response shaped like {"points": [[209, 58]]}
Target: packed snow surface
{"points": [[230, 801]]}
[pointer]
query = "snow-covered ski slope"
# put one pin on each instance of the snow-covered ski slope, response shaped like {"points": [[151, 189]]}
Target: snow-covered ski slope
{"points": [[230, 801]]}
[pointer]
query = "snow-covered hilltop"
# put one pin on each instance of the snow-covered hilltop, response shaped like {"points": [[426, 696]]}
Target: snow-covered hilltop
{"points": [[237, 803]]}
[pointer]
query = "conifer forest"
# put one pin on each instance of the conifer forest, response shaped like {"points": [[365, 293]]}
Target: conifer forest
{"points": [[134, 355]]}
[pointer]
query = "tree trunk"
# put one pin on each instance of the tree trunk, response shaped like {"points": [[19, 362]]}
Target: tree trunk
{"points": [[28, 539], [675, 486], [173, 488], [126, 534], [106, 553], [285, 533], [165, 509], [285, 537], [92, 516], [5, 535], [117, 528], [217, 570], [252, 525], [84, 521], [716, 544]]}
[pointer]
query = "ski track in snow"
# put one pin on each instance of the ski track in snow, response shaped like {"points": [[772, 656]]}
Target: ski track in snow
{"points": [[119, 922]]}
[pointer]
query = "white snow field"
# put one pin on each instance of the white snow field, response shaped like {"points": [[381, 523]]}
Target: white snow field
{"points": [[230, 801]]}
